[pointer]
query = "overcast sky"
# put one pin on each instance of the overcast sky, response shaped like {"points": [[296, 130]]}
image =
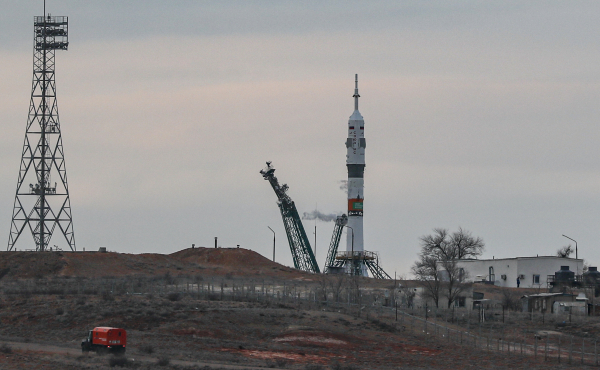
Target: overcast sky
{"points": [[478, 114]]}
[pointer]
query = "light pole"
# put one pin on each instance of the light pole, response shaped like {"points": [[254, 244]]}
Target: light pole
{"points": [[273, 242], [352, 266], [315, 238], [576, 255]]}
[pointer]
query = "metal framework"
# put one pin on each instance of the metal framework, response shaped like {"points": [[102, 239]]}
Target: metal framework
{"points": [[41, 204], [330, 263], [376, 270], [359, 258], [302, 253]]}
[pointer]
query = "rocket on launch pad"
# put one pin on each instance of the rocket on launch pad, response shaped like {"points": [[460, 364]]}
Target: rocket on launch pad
{"points": [[355, 162]]}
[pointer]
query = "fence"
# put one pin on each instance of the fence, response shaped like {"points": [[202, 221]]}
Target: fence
{"points": [[551, 347], [494, 330]]}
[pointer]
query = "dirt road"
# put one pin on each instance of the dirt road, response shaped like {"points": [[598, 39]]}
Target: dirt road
{"points": [[31, 349]]}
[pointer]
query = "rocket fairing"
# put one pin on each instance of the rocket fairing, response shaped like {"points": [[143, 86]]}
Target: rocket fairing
{"points": [[355, 162]]}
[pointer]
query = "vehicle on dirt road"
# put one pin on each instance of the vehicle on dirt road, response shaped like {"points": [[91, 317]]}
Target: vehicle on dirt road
{"points": [[104, 340]]}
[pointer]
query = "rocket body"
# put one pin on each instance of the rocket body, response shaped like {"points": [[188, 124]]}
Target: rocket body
{"points": [[355, 162]]}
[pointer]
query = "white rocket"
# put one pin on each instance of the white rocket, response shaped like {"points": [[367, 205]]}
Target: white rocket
{"points": [[355, 161]]}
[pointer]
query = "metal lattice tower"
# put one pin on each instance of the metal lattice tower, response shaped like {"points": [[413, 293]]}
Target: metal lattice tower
{"points": [[330, 263], [302, 253], [42, 197]]}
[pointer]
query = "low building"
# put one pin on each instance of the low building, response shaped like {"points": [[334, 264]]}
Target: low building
{"points": [[574, 308], [463, 300], [545, 302], [532, 272]]}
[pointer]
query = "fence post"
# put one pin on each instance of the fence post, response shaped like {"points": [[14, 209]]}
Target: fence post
{"points": [[571, 350], [596, 350], [582, 349], [546, 348], [522, 342], [535, 345], [559, 349]]}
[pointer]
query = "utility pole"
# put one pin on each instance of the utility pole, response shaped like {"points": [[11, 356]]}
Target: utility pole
{"points": [[273, 242]]}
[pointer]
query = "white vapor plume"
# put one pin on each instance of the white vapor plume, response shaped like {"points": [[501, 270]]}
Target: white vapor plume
{"points": [[316, 215], [344, 185]]}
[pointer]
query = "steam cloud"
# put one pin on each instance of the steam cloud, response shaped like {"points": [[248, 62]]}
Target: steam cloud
{"points": [[344, 185], [316, 215]]}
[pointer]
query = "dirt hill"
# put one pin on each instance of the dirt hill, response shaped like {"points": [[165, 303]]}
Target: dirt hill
{"points": [[220, 261]]}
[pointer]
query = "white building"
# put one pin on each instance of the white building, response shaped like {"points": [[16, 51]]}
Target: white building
{"points": [[531, 271]]}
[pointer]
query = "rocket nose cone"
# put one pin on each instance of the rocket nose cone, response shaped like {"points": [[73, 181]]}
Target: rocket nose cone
{"points": [[356, 116]]}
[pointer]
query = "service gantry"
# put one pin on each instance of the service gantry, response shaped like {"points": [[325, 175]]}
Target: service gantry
{"points": [[42, 198], [302, 254]]}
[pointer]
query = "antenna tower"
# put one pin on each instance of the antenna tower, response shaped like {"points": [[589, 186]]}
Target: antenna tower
{"points": [[42, 197]]}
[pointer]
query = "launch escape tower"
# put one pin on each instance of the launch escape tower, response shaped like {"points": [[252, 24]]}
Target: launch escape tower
{"points": [[302, 253], [42, 198]]}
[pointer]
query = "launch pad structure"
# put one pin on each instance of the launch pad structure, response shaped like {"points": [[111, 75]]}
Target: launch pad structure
{"points": [[41, 205], [303, 256], [355, 260]]}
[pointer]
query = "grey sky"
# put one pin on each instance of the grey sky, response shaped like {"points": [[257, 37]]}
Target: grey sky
{"points": [[478, 114]]}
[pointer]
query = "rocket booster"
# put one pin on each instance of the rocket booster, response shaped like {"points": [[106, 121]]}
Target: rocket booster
{"points": [[355, 162]]}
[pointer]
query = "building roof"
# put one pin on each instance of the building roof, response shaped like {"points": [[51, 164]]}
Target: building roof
{"points": [[518, 258], [545, 295]]}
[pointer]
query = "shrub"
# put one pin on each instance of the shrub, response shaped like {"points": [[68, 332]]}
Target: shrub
{"points": [[313, 367], [384, 326], [174, 297], [148, 349], [163, 361], [281, 362], [60, 311], [5, 348], [336, 366], [121, 361]]}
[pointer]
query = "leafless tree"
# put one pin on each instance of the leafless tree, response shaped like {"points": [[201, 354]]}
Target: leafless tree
{"points": [[454, 282], [337, 283], [322, 287], [565, 251], [440, 252], [458, 245], [510, 299], [426, 271]]}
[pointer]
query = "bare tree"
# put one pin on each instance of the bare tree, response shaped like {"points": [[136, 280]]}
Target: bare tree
{"points": [[439, 254], [458, 245], [565, 251], [454, 282], [426, 271], [322, 287], [510, 299], [337, 283]]}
